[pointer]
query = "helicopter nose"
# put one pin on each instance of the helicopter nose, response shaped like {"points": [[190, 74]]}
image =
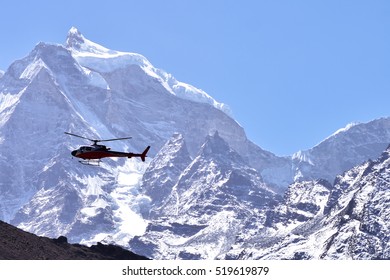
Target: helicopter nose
{"points": [[74, 153]]}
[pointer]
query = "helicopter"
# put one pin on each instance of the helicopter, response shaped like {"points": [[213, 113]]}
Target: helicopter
{"points": [[92, 155]]}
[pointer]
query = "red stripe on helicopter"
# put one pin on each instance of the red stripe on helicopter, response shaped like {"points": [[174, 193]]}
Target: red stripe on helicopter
{"points": [[100, 154]]}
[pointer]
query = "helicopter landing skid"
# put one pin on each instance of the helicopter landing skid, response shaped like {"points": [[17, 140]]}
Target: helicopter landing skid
{"points": [[91, 162]]}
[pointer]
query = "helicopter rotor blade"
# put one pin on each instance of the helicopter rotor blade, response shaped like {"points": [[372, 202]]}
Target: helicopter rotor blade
{"points": [[95, 140], [81, 137], [114, 139]]}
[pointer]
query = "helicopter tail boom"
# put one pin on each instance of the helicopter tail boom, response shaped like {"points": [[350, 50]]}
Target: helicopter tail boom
{"points": [[142, 156]]}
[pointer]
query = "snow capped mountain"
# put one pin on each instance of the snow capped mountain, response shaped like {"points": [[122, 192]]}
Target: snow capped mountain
{"points": [[361, 216], [208, 205], [165, 169], [346, 148], [102, 60], [349, 220], [29, 95], [217, 175], [204, 192]]}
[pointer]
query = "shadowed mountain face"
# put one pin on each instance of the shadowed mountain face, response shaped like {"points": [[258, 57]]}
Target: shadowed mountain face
{"points": [[16, 244]]}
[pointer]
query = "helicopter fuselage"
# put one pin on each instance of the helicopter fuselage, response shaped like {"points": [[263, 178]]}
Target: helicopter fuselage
{"points": [[101, 151], [97, 152]]}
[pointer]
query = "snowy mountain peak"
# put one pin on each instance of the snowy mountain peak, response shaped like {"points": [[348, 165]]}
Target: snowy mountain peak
{"points": [[79, 45], [344, 149], [75, 39], [104, 60], [340, 131], [169, 152], [165, 169]]}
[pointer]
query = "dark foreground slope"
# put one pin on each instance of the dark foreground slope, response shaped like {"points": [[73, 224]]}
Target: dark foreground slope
{"points": [[16, 244]]}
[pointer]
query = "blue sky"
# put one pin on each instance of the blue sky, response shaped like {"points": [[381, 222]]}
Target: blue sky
{"points": [[293, 72]]}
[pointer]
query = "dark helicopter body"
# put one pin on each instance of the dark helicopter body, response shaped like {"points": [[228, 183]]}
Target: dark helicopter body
{"points": [[101, 151], [97, 152]]}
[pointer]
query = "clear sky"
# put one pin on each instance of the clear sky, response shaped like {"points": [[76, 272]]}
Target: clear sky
{"points": [[292, 71]]}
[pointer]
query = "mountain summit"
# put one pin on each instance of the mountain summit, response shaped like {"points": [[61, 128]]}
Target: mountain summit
{"points": [[101, 59], [75, 39]]}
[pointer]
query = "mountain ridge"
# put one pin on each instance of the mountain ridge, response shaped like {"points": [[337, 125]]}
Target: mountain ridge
{"points": [[20, 245], [349, 221]]}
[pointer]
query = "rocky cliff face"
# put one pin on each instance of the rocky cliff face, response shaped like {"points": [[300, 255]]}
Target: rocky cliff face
{"points": [[208, 205], [348, 220], [165, 169]]}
